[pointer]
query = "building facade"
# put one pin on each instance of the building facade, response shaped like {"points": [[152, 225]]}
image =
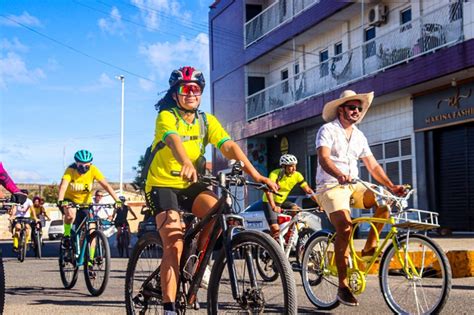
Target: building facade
{"points": [[275, 63]]}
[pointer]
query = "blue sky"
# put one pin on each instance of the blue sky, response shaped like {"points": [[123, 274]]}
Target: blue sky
{"points": [[55, 100]]}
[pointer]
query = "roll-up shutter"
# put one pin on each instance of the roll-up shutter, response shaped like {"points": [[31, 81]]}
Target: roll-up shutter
{"points": [[454, 156]]}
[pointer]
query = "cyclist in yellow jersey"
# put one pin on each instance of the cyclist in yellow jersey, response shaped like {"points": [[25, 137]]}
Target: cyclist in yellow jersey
{"points": [[76, 187], [178, 130], [286, 177]]}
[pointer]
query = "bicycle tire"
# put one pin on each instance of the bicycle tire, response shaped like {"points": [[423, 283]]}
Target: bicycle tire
{"points": [[265, 266], [68, 269], [38, 249], [432, 264], [22, 246], [303, 237], [2, 284], [145, 259], [240, 243], [99, 265], [120, 246], [322, 290]]}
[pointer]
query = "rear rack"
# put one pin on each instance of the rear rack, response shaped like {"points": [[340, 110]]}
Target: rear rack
{"points": [[416, 219]]}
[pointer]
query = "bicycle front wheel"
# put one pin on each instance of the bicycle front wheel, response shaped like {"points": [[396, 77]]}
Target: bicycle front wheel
{"points": [[67, 266], [265, 265], [2, 284], [38, 248], [319, 273], [97, 266], [416, 277], [255, 294], [142, 280], [22, 246]]}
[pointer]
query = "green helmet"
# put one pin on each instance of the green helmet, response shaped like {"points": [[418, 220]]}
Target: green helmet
{"points": [[83, 156]]}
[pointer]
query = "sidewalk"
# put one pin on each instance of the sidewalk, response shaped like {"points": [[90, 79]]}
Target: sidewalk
{"points": [[458, 249]]}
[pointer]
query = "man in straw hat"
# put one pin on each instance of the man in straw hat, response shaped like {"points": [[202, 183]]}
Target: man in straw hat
{"points": [[339, 145]]}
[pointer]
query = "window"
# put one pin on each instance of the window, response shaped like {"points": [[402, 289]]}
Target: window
{"points": [[337, 51], [370, 47], [324, 66], [396, 159], [296, 70], [455, 11], [405, 19], [285, 87]]}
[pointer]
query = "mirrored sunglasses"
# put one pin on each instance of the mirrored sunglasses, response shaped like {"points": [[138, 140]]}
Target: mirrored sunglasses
{"points": [[187, 89]]}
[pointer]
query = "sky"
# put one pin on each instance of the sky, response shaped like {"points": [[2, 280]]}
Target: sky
{"points": [[58, 88]]}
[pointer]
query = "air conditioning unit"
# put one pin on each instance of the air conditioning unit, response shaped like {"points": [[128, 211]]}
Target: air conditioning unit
{"points": [[378, 15]]}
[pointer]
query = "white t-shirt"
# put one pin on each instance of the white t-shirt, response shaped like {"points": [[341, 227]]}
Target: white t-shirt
{"points": [[23, 211], [344, 152], [101, 211]]}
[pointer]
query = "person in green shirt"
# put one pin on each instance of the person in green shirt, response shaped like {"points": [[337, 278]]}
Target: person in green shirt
{"points": [[286, 177]]}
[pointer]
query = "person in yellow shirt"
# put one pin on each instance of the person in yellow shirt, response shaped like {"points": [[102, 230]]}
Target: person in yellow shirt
{"points": [[76, 187], [180, 140], [286, 177]]}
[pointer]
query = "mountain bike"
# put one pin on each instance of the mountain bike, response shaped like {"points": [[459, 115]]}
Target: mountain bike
{"points": [[36, 236], [234, 285], [123, 241], [2, 283], [89, 248], [22, 244], [414, 272], [296, 226]]}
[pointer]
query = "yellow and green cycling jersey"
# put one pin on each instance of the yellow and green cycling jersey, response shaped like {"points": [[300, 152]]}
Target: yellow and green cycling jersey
{"points": [[79, 189], [164, 162], [286, 184]]}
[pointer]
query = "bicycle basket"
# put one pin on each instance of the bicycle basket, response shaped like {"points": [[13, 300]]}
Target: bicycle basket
{"points": [[416, 219]]}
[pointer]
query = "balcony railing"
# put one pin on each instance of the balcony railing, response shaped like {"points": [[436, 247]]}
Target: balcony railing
{"points": [[273, 16], [432, 31]]}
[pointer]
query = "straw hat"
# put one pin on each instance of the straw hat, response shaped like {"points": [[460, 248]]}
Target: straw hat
{"points": [[330, 109]]}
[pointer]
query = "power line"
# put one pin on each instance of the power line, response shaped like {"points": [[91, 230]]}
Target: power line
{"points": [[76, 50]]}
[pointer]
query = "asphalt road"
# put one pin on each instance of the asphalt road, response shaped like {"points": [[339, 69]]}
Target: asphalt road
{"points": [[34, 287]]}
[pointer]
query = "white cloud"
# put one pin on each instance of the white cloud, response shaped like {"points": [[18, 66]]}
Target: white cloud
{"points": [[13, 45], [147, 85], [103, 82], [113, 24], [14, 69], [25, 18], [153, 11], [22, 176], [166, 56]]}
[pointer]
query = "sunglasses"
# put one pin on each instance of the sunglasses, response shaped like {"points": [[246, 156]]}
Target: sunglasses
{"points": [[187, 89], [354, 107]]}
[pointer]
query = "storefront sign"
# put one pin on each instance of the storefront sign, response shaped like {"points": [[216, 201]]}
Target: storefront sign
{"points": [[446, 107]]}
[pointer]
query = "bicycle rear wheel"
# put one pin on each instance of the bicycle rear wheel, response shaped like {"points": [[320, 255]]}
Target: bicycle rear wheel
{"points": [[416, 278], [256, 295], [37, 241], [97, 263], [142, 281], [265, 265], [67, 266], [22, 246], [319, 273]]}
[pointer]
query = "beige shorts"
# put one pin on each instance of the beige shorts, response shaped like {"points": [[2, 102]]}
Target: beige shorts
{"points": [[342, 197]]}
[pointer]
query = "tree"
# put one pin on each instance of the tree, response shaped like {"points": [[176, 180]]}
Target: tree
{"points": [[139, 181], [50, 193]]}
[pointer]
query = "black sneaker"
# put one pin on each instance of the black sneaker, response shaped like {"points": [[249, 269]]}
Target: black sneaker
{"points": [[66, 242], [91, 272], [345, 296]]}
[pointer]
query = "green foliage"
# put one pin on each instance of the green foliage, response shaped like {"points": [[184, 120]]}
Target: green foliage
{"points": [[138, 169], [50, 193]]}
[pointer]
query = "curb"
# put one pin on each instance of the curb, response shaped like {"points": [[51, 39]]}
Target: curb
{"points": [[461, 261]]}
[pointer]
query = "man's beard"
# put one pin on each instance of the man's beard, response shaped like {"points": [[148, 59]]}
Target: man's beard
{"points": [[350, 119]]}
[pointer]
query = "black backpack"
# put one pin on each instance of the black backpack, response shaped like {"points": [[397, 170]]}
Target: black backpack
{"points": [[151, 152]]}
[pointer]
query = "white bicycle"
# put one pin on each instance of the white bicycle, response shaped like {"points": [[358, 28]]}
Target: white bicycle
{"points": [[296, 227]]}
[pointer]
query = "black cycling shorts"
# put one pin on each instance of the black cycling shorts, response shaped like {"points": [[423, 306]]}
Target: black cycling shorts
{"points": [[162, 199], [272, 216]]}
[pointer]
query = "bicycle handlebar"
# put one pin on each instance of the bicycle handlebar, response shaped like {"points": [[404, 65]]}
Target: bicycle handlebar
{"points": [[90, 205]]}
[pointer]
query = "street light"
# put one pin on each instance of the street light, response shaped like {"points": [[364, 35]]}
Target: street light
{"points": [[122, 79]]}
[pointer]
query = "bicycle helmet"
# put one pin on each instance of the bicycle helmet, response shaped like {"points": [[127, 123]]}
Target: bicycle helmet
{"points": [[83, 156], [288, 159], [187, 74]]}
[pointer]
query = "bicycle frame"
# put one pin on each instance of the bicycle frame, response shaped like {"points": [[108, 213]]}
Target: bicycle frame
{"points": [[293, 227], [77, 234]]}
